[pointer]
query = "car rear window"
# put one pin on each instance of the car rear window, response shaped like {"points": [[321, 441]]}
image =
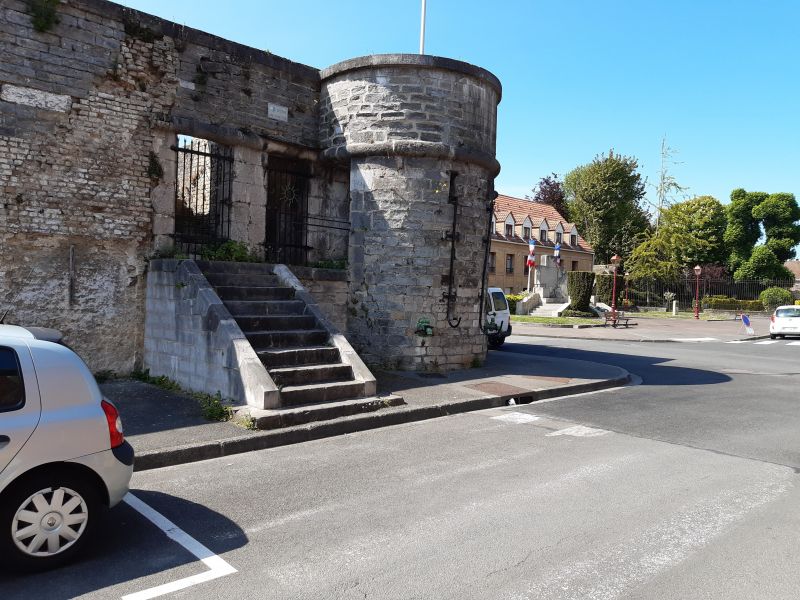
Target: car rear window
{"points": [[788, 312], [499, 300], [12, 391]]}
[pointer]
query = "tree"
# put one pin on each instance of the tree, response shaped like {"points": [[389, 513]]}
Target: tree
{"points": [[653, 258], [698, 226], [550, 191], [667, 184], [778, 214], [748, 212], [604, 198], [743, 229], [762, 264]]}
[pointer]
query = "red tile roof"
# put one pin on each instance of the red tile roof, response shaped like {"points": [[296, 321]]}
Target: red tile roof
{"points": [[536, 211], [794, 267]]}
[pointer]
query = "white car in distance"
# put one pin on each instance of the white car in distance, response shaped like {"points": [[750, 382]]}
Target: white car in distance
{"points": [[784, 321]]}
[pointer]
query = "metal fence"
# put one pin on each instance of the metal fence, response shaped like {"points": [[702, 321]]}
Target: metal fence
{"points": [[202, 194], [655, 293]]}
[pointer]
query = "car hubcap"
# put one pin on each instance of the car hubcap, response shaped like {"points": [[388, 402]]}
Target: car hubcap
{"points": [[49, 522]]}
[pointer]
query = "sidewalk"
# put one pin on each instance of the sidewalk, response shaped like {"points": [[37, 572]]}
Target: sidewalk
{"points": [[167, 429], [653, 329]]}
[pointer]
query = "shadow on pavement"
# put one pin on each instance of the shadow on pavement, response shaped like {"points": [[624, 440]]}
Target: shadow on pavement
{"points": [[129, 547], [652, 369]]}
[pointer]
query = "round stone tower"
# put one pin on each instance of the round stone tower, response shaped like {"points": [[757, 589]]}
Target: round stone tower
{"points": [[419, 135]]}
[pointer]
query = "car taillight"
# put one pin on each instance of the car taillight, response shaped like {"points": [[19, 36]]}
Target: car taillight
{"points": [[114, 423]]}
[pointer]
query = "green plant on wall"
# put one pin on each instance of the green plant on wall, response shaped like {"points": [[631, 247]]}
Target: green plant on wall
{"points": [[43, 14], [229, 251]]}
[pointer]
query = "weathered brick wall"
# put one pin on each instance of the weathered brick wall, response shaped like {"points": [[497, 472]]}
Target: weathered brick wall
{"points": [[82, 107]]}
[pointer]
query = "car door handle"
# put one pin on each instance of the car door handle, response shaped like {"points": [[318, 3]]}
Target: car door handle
{"points": [[4, 441]]}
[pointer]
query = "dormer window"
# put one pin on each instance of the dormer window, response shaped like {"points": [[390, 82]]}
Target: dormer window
{"points": [[543, 234], [510, 225], [558, 237], [526, 233], [573, 240]]}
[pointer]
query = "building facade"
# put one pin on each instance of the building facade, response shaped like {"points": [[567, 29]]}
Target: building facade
{"points": [[515, 222]]}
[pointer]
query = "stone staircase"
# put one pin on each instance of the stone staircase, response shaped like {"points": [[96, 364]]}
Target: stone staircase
{"points": [[550, 307], [288, 338]]}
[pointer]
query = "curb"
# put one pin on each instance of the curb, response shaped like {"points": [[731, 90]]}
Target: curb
{"points": [[651, 341], [188, 453]]}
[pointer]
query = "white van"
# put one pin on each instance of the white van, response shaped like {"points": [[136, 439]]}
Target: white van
{"points": [[497, 317]]}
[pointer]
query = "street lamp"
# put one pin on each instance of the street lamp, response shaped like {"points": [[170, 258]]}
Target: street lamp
{"points": [[697, 270], [615, 260]]}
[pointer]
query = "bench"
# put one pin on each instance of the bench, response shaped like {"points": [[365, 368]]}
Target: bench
{"points": [[617, 319]]}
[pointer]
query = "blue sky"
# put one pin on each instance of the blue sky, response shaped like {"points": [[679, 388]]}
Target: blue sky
{"points": [[719, 78]]}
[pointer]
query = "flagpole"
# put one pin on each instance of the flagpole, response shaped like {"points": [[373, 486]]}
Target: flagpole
{"points": [[422, 30]]}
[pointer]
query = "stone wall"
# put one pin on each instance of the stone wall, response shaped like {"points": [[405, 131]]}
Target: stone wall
{"points": [[328, 287], [89, 113], [410, 126], [191, 338]]}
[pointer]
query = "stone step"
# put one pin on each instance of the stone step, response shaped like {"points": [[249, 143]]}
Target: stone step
{"points": [[258, 308], [287, 417], [311, 374], [276, 322], [293, 357], [219, 266], [314, 393], [243, 279], [263, 340], [226, 292]]}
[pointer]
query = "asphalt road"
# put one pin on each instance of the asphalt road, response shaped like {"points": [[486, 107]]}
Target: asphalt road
{"points": [[681, 487]]}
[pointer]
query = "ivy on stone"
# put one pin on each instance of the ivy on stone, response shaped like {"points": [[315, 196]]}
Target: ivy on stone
{"points": [[43, 14]]}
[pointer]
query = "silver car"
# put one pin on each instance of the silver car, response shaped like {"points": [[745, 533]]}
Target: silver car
{"points": [[784, 321], [63, 457]]}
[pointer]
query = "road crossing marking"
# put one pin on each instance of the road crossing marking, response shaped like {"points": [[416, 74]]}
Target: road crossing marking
{"points": [[765, 342], [579, 431], [738, 342], [793, 343], [517, 417], [217, 566]]}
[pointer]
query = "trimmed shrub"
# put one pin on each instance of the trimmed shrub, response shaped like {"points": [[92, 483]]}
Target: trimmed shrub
{"points": [[774, 297], [604, 286], [725, 303], [578, 313], [579, 288], [512, 300]]}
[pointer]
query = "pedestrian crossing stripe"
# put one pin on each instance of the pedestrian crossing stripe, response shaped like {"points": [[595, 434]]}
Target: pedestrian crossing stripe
{"points": [[767, 342], [793, 344]]}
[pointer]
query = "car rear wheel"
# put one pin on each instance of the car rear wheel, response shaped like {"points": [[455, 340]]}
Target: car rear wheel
{"points": [[45, 520]]}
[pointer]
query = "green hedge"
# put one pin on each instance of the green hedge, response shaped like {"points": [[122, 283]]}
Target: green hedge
{"points": [[512, 300], [579, 288], [725, 303], [774, 297], [578, 313], [604, 285]]}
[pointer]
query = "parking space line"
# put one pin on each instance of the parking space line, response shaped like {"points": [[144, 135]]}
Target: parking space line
{"points": [[217, 566]]}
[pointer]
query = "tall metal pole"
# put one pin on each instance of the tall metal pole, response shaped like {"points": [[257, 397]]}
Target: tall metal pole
{"points": [[422, 30], [697, 296]]}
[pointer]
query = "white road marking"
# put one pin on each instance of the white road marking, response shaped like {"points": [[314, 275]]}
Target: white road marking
{"points": [[218, 567], [793, 343], [517, 417], [767, 342], [700, 339], [579, 431], [737, 342]]}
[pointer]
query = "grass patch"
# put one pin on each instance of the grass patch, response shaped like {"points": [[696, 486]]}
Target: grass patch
{"points": [[555, 320], [213, 406]]}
